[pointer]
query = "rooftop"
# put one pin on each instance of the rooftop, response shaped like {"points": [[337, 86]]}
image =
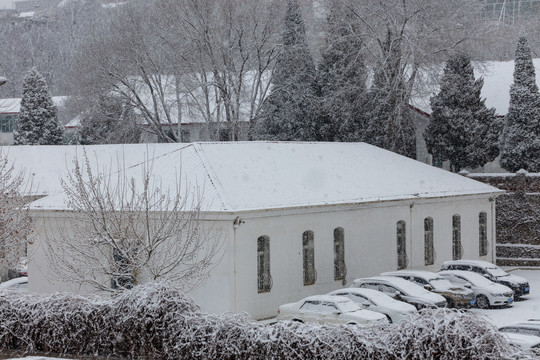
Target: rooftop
{"points": [[248, 176]]}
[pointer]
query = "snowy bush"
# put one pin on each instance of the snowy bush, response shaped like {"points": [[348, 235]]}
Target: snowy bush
{"points": [[157, 321]]}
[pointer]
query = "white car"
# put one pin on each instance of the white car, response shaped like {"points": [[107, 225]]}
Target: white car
{"points": [[375, 300], [486, 291], [402, 290], [455, 295], [329, 309], [519, 285], [17, 285], [526, 334]]}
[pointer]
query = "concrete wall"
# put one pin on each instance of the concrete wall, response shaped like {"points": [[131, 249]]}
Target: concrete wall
{"points": [[215, 296], [370, 248]]}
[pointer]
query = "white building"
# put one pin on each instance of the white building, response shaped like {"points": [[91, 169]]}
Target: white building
{"points": [[297, 218]]}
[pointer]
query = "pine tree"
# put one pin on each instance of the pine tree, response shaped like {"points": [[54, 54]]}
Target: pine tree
{"points": [[388, 119], [342, 78], [288, 112], [37, 123], [108, 121], [521, 141], [462, 129]]}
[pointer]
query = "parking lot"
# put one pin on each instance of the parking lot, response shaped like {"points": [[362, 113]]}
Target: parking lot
{"points": [[527, 308]]}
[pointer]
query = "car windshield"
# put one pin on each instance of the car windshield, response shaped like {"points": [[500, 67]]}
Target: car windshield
{"points": [[440, 284], [477, 280], [496, 271], [347, 306], [521, 330]]}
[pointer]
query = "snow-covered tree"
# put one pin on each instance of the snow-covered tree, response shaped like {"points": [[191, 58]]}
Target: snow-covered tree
{"points": [[461, 129], [126, 230], [15, 222], [37, 123], [108, 121], [342, 78], [521, 137], [388, 119], [289, 111]]}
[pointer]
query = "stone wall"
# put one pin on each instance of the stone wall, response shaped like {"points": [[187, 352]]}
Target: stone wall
{"points": [[518, 217]]}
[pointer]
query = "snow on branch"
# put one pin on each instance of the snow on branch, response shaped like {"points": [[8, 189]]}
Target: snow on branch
{"points": [[158, 321]]}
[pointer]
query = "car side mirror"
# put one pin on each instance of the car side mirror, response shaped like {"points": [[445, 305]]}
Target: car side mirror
{"points": [[428, 287], [468, 285], [397, 295]]}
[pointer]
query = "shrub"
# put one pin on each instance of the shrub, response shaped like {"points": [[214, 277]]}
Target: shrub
{"points": [[158, 321]]}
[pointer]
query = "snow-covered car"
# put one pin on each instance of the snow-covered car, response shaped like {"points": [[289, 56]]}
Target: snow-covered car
{"points": [[21, 269], [487, 292], [519, 285], [525, 334], [375, 300], [17, 285], [329, 309], [455, 295], [402, 290]]}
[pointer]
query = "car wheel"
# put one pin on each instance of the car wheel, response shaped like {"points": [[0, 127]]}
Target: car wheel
{"points": [[450, 302], [298, 320], [482, 302]]}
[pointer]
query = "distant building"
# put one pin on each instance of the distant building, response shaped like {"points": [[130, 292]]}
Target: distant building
{"points": [[509, 11], [9, 114]]}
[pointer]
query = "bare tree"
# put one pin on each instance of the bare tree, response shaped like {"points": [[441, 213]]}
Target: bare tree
{"points": [[124, 231], [15, 222], [204, 61]]}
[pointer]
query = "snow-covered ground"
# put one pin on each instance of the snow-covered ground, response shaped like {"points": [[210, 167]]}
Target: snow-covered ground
{"points": [[528, 308]]}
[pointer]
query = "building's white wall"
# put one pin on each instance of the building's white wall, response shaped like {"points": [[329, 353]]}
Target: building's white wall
{"points": [[214, 296], [370, 246]]}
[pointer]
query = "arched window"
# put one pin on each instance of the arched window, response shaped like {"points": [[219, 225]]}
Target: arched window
{"points": [[457, 251], [401, 245], [339, 254], [429, 252], [308, 254], [264, 279], [482, 227]]}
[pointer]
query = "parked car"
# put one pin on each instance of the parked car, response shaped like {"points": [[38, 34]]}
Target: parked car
{"points": [[525, 334], [374, 300], [455, 295], [329, 309], [17, 285], [519, 285], [487, 292], [402, 290], [21, 269]]}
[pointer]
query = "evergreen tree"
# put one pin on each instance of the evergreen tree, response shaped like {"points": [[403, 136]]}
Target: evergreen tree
{"points": [[108, 121], [388, 119], [289, 111], [462, 129], [342, 78], [521, 142], [37, 123]]}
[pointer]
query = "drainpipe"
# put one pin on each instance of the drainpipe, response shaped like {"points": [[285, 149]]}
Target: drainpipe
{"points": [[236, 225], [493, 230], [411, 235]]}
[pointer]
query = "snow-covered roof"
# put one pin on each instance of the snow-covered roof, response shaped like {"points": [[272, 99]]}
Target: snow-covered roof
{"points": [[246, 176], [13, 105], [498, 76]]}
